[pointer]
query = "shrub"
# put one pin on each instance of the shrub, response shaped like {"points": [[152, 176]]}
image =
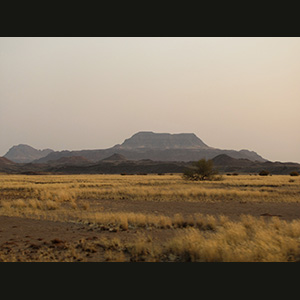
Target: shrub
{"points": [[200, 170], [294, 173], [264, 173]]}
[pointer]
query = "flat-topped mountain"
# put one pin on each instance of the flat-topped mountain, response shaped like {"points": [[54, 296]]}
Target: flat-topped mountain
{"points": [[151, 140], [25, 153]]}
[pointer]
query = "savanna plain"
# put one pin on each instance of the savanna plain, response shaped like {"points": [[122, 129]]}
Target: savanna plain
{"points": [[151, 218]]}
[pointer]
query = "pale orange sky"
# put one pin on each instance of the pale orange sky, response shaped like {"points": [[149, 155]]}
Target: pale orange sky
{"points": [[92, 93]]}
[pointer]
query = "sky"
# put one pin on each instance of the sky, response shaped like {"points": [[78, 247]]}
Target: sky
{"points": [[69, 93]]}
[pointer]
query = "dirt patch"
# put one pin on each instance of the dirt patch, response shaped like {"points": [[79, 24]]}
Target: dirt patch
{"points": [[41, 240], [233, 210]]}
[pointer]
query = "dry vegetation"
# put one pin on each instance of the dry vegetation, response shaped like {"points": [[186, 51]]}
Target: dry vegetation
{"points": [[156, 237]]}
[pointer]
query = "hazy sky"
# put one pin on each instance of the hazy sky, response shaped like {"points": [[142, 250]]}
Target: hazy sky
{"points": [[92, 93]]}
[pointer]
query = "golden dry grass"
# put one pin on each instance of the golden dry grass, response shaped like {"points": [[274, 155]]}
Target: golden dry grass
{"points": [[250, 240], [68, 188], [196, 237]]}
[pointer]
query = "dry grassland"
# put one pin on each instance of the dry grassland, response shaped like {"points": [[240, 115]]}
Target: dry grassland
{"points": [[75, 199]]}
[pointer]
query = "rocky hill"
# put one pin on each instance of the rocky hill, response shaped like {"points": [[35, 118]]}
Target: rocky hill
{"points": [[25, 153], [72, 160], [224, 163], [5, 161], [7, 165], [115, 157]]}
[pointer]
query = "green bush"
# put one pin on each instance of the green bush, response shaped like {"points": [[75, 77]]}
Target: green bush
{"points": [[200, 170]]}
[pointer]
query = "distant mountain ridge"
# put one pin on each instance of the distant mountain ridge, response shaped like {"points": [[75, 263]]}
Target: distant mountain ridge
{"points": [[117, 164], [143, 145], [24, 153], [144, 153]]}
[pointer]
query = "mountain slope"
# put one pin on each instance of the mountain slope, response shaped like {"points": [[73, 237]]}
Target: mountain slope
{"points": [[7, 165], [6, 162]]}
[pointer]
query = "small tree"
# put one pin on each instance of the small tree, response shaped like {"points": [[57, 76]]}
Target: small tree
{"points": [[200, 170], [264, 173]]}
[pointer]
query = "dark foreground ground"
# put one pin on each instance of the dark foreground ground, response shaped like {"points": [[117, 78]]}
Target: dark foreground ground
{"points": [[24, 239]]}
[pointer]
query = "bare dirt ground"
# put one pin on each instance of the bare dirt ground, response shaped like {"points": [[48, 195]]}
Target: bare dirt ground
{"points": [[24, 239], [286, 211]]}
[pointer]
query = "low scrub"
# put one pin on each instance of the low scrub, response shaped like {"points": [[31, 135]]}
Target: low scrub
{"points": [[201, 170], [264, 173]]}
